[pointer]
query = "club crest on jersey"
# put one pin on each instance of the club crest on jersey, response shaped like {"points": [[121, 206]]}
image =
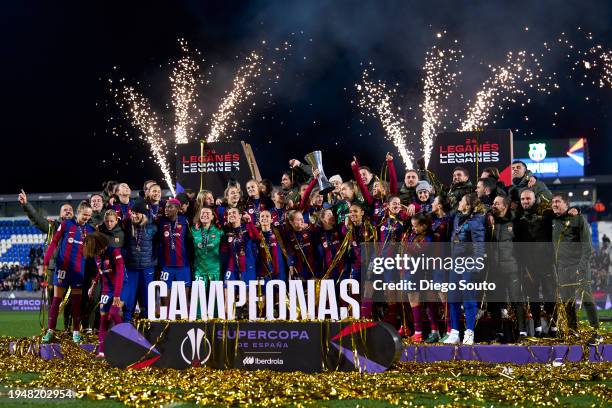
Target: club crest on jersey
{"points": [[166, 234], [230, 239], [305, 235], [70, 240], [251, 211], [382, 228], [325, 245]]}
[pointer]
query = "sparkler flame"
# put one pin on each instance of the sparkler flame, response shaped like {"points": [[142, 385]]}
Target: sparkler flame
{"points": [[377, 100], [241, 90], [504, 81], [438, 84], [183, 82], [139, 111]]}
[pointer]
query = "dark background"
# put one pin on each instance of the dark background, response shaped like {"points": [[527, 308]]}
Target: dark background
{"points": [[58, 113]]}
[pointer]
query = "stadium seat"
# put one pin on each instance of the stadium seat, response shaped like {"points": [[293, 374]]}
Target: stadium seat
{"points": [[17, 237]]}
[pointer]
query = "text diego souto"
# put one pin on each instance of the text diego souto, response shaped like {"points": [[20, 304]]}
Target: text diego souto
{"points": [[424, 285]]}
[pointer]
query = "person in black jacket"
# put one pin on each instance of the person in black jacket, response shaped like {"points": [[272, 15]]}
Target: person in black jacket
{"points": [[461, 186], [140, 260], [572, 245], [534, 231], [503, 265]]}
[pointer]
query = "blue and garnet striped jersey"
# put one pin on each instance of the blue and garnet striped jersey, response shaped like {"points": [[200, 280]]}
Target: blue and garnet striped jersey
{"points": [[69, 237], [173, 241], [123, 210], [112, 270]]}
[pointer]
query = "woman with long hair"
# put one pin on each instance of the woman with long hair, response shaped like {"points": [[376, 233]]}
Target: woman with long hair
{"points": [[440, 208], [140, 260], [112, 270], [467, 240], [256, 202], [417, 243], [70, 267], [377, 198], [301, 251], [207, 239], [231, 199]]}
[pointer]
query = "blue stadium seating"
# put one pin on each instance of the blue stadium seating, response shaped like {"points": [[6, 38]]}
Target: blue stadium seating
{"points": [[17, 236]]}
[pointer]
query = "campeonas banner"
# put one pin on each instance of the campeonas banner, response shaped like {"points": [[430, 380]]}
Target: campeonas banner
{"points": [[210, 166], [473, 150]]}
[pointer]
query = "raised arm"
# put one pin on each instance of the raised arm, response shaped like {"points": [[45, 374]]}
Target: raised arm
{"points": [[54, 242], [392, 174], [360, 182], [306, 197]]}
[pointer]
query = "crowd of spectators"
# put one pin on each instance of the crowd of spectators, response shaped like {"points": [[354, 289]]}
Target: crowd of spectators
{"points": [[24, 277]]}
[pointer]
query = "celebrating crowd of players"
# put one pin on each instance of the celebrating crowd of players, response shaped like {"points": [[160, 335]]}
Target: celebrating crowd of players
{"points": [[114, 246]]}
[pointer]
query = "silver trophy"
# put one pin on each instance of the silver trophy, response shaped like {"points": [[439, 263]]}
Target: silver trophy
{"points": [[316, 162]]}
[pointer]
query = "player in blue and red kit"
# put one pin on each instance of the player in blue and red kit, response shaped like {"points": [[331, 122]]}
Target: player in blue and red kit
{"points": [[329, 242], [111, 271], [123, 206], [376, 199], [70, 267], [256, 203], [238, 249], [173, 233], [278, 211], [301, 247], [231, 199], [270, 261], [154, 202]]}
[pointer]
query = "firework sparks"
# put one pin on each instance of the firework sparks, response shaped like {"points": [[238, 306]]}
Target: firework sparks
{"points": [[376, 98], [242, 89], [597, 58], [505, 82], [183, 82], [438, 83], [143, 118]]}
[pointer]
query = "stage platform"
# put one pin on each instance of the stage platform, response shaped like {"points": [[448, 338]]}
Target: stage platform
{"points": [[495, 354]]}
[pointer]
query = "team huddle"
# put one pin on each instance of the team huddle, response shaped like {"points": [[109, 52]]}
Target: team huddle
{"points": [[114, 246]]}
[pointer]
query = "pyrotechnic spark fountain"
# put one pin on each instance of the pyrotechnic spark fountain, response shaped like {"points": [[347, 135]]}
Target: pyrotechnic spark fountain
{"points": [[438, 84], [143, 118], [505, 82], [242, 89], [183, 82], [376, 98]]}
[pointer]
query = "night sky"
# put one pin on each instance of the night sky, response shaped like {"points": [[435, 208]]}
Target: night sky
{"points": [[58, 112]]}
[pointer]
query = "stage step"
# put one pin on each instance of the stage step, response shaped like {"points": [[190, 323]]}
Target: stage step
{"points": [[48, 351], [506, 353]]}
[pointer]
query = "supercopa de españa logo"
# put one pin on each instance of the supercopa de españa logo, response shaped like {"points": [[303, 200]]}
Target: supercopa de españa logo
{"points": [[195, 347]]}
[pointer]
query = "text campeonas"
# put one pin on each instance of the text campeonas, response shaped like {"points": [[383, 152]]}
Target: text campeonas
{"points": [[219, 302]]}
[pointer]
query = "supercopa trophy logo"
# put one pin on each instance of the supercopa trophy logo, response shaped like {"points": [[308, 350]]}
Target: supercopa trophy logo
{"points": [[195, 348]]}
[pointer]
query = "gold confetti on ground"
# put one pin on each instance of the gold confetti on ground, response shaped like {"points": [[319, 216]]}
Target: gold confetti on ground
{"points": [[457, 383]]}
